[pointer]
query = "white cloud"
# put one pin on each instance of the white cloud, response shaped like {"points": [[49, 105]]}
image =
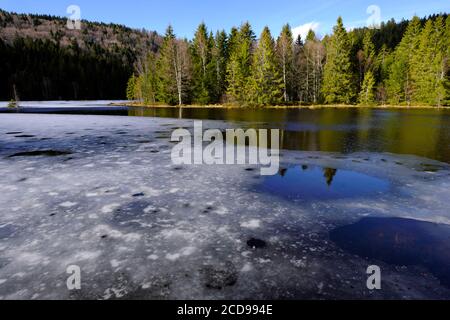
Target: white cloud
{"points": [[304, 29]]}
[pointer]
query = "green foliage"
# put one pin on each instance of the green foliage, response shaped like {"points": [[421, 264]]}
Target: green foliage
{"points": [[367, 93], [428, 65], [399, 63], [239, 64], [285, 56], [167, 81], [12, 104], [399, 85], [131, 88], [265, 85], [338, 84]]}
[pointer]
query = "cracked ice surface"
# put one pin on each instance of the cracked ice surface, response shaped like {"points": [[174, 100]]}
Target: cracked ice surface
{"points": [[140, 227]]}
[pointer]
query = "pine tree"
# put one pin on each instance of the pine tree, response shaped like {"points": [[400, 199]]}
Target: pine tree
{"points": [[285, 54], [167, 82], [239, 65], [266, 83], [219, 64], [367, 93], [399, 83], [131, 87], [338, 85], [422, 65], [201, 58], [446, 43], [174, 70], [366, 55]]}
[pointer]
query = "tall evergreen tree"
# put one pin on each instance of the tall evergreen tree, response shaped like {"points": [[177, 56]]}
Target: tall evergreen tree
{"points": [[399, 85], [338, 85], [131, 88], [285, 55], [366, 55], [173, 70], [266, 83], [219, 63], [239, 65], [367, 93], [428, 71], [201, 59]]}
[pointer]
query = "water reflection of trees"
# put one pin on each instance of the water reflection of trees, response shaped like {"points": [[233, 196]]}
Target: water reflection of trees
{"points": [[329, 174], [416, 132]]}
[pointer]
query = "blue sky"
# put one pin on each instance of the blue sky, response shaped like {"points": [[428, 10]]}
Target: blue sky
{"points": [[185, 15]]}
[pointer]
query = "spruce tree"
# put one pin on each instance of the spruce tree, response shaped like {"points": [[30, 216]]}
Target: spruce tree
{"points": [[285, 54], [219, 64], [367, 93], [266, 83], [201, 58], [174, 70], [338, 85], [239, 65], [167, 82], [399, 85], [131, 86]]}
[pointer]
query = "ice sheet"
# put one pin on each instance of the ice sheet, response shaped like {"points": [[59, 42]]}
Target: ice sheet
{"points": [[140, 227]]}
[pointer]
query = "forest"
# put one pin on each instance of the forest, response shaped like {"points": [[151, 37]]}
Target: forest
{"points": [[404, 63], [41, 59], [397, 63]]}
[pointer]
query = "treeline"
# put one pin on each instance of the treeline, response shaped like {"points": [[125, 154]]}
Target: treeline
{"points": [[403, 64], [43, 60]]}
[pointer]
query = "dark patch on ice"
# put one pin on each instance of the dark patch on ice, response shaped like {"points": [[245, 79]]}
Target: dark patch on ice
{"points": [[25, 136], [208, 209], [125, 215], [3, 262], [140, 194], [104, 236], [37, 153], [428, 167], [398, 241], [219, 277], [305, 183], [14, 132], [22, 179], [7, 231], [256, 243], [249, 169]]}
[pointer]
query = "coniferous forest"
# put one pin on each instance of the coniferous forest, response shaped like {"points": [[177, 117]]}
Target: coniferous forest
{"points": [[404, 63], [41, 59], [400, 64]]}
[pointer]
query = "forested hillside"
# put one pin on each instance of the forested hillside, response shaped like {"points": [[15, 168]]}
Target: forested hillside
{"points": [[41, 59], [399, 63]]}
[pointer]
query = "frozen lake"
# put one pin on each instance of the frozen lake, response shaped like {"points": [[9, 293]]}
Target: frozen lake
{"points": [[101, 192]]}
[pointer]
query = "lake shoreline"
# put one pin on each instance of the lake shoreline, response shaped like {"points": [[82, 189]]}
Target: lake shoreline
{"points": [[310, 107]]}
